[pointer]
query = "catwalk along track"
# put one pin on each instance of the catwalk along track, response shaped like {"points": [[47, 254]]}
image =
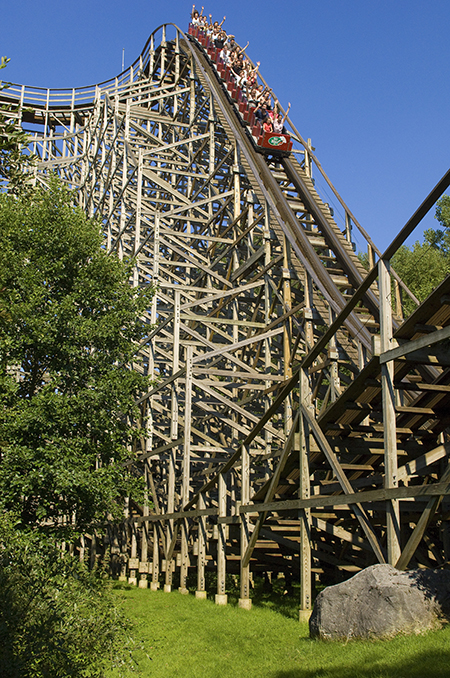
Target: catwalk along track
{"points": [[296, 424]]}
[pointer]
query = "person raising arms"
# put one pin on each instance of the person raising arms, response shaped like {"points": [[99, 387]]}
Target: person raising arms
{"points": [[279, 120], [195, 16]]}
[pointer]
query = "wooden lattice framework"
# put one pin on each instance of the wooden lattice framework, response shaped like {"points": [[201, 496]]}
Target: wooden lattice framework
{"points": [[289, 400]]}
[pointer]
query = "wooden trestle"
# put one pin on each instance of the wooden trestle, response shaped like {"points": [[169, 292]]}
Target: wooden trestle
{"points": [[265, 450]]}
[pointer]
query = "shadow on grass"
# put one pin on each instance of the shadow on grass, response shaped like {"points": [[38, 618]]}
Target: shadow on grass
{"points": [[122, 586], [430, 664], [276, 595]]}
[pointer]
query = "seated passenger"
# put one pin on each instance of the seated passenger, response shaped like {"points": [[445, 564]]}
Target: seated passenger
{"points": [[216, 23], [279, 120], [232, 44], [241, 51], [267, 125], [252, 73], [253, 97], [237, 68], [195, 16], [225, 55], [267, 97], [220, 40], [261, 113]]}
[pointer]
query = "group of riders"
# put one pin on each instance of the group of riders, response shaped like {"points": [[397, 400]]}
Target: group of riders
{"points": [[258, 97]]}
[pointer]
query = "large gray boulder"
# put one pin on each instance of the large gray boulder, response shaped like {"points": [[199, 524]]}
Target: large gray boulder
{"points": [[381, 602]]}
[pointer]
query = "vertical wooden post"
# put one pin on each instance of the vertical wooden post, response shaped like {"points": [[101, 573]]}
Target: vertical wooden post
{"points": [[124, 543], [174, 436], [333, 355], [221, 596], [371, 256], [82, 549], [155, 560], [137, 230], [244, 599], [133, 562], [305, 514], [308, 311], [308, 167], [398, 300], [201, 558], [186, 470], [287, 333], [93, 551], [267, 342], [348, 227], [143, 564], [389, 420]]}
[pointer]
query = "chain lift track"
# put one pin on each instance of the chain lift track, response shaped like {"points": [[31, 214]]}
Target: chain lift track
{"points": [[296, 423]]}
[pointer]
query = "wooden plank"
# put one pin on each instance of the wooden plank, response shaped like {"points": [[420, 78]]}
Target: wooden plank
{"points": [[421, 526], [178, 515], [340, 533], [318, 501], [415, 345], [412, 467], [421, 386], [389, 418], [228, 348]]}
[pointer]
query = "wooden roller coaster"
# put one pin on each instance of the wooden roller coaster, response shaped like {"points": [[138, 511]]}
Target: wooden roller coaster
{"points": [[297, 423]]}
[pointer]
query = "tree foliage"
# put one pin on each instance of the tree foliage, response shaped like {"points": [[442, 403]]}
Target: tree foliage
{"points": [[69, 323], [67, 396], [423, 266], [57, 620]]}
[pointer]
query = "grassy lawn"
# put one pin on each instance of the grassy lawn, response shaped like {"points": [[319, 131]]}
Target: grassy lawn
{"points": [[177, 635]]}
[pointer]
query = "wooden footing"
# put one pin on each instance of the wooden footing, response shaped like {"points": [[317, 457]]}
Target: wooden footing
{"points": [[200, 594], [245, 603], [167, 588], [154, 586], [304, 615], [221, 599]]}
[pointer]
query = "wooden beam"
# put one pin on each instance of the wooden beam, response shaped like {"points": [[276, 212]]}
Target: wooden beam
{"points": [[317, 501], [421, 526], [415, 345]]}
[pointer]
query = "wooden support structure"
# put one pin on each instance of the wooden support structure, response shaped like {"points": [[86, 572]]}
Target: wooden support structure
{"points": [[295, 423]]}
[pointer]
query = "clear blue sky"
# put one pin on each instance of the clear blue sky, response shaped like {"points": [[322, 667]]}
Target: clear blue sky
{"points": [[368, 81]]}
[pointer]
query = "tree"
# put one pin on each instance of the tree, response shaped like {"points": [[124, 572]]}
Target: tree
{"points": [[426, 264], [69, 322], [67, 396]]}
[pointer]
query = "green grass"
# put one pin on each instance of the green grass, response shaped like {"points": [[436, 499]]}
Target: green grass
{"points": [[180, 636]]}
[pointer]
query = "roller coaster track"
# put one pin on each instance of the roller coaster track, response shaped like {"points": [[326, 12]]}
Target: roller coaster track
{"points": [[272, 443]]}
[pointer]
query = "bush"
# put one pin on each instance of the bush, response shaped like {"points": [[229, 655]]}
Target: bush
{"points": [[57, 619]]}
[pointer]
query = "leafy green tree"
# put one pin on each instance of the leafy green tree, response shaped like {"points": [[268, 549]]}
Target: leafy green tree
{"points": [[69, 323], [66, 394], [426, 264]]}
